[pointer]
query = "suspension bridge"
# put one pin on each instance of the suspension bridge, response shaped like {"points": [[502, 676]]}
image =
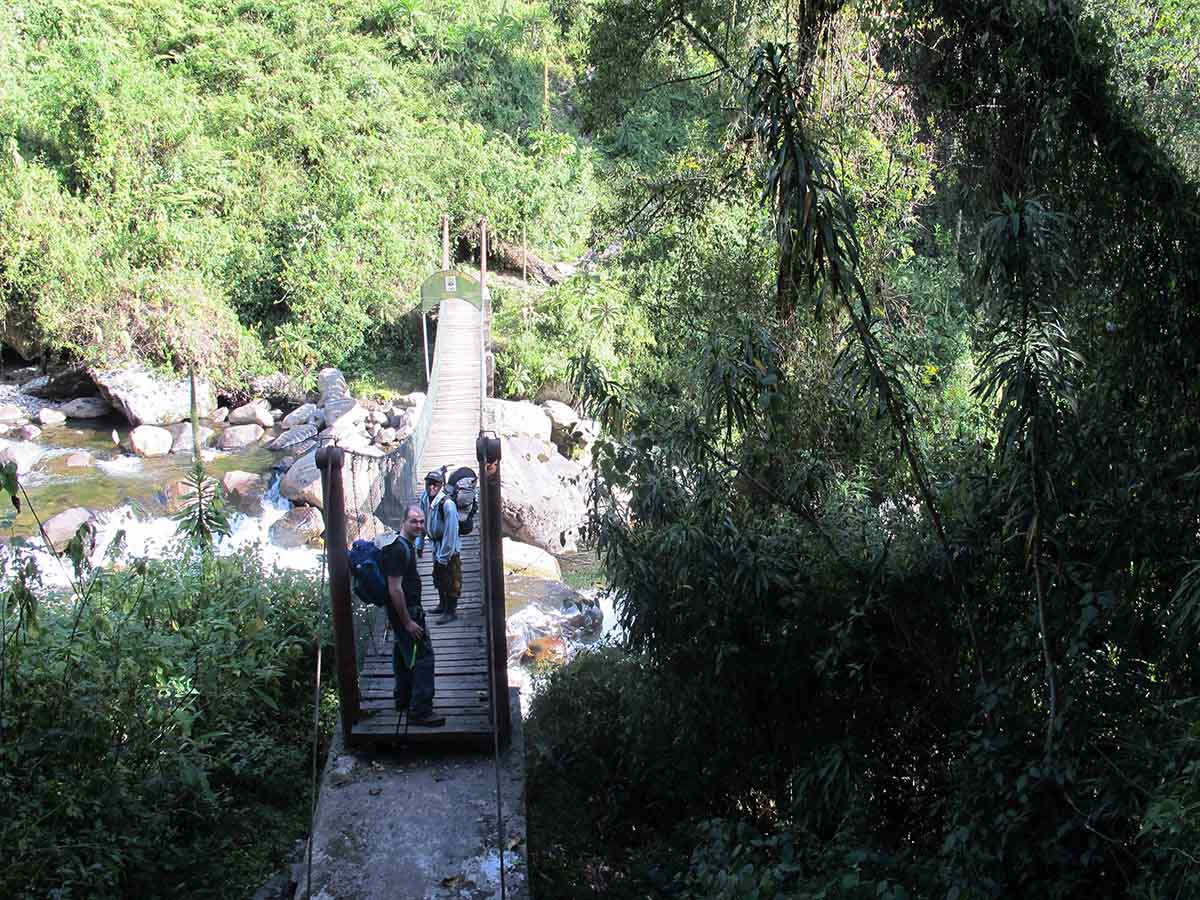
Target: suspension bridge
{"points": [[441, 816]]}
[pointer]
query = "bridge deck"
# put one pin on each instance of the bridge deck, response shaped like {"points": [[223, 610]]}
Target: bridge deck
{"points": [[460, 648]]}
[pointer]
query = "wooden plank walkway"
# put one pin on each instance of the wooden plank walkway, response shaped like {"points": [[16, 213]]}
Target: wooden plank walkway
{"points": [[461, 690]]}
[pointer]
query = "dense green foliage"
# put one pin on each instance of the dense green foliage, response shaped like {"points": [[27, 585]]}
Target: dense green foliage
{"points": [[903, 505], [259, 183], [157, 727]]}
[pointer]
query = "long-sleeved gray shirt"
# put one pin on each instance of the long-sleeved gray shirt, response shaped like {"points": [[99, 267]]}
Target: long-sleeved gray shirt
{"points": [[441, 525]]}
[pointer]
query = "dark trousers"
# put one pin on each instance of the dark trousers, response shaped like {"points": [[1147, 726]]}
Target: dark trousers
{"points": [[448, 581], [412, 664]]}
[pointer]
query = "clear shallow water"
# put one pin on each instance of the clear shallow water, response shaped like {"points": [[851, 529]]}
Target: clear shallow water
{"points": [[116, 480]]}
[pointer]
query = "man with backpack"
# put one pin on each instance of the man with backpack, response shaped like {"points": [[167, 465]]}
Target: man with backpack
{"points": [[412, 651], [441, 526]]}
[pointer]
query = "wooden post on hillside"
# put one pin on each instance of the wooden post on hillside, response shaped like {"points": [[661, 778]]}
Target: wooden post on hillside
{"points": [[329, 461], [491, 561], [489, 360], [445, 243]]}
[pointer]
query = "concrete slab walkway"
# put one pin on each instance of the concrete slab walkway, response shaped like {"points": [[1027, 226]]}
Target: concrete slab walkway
{"points": [[420, 825]]}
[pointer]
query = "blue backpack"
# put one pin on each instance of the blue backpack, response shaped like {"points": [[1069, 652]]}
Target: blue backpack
{"points": [[367, 573]]}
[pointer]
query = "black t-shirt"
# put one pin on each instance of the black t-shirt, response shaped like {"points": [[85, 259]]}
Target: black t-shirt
{"points": [[399, 560]]}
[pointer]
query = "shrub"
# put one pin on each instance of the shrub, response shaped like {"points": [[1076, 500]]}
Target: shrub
{"points": [[157, 730]]}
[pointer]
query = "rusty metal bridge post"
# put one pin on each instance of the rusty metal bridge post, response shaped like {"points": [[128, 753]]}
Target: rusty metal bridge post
{"points": [[329, 462], [491, 549]]}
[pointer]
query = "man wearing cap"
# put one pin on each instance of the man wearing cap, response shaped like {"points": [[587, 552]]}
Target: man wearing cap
{"points": [[441, 527]]}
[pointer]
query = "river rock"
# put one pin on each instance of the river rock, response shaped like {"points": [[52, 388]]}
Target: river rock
{"points": [[150, 440], [28, 432], [513, 418], [299, 526], [255, 413], [585, 435], [81, 459], [11, 414], [331, 385], [24, 454], [302, 482], [219, 415], [244, 491], [415, 400], [543, 494], [86, 408], [49, 417], [292, 437], [301, 415], [562, 424], [70, 382], [62, 527], [181, 437], [279, 389], [343, 416], [548, 649], [385, 436], [235, 437], [283, 463], [525, 559], [549, 612], [145, 398], [400, 419]]}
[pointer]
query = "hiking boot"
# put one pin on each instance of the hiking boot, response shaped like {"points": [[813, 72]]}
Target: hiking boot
{"points": [[439, 610], [446, 617], [428, 720]]}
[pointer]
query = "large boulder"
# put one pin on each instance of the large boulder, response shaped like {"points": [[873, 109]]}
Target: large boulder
{"points": [[293, 437], [145, 398], [182, 440], [238, 436], [302, 482], [514, 418], [299, 526], [244, 491], [25, 455], [70, 382], [301, 415], [525, 559], [62, 527], [344, 416], [543, 494], [331, 385], [86, 408], [256, 413], [562, 425], [150, 440], [11, 414]]}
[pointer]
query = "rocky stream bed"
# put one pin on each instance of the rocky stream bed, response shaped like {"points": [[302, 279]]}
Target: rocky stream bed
{"points": [[117, 461]]}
